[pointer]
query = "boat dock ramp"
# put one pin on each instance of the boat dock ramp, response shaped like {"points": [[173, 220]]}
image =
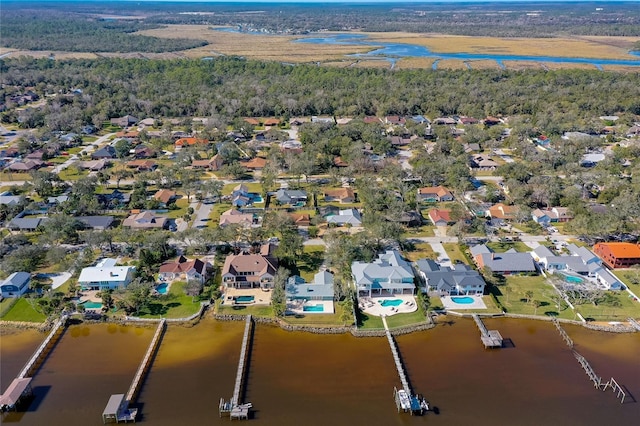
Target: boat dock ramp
{"points": [[597, 380], [405, 400], [20, 387], [233, 408], [490, 338], [117, 408]]}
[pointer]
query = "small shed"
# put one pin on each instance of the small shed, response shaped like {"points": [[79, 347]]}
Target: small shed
{"points": [[117, 410]]}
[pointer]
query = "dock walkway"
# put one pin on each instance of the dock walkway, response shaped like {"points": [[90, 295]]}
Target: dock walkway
{"points": [[635, 324], [233, 408], [146, 362], [490, 338], [45, 347], [405, 400]]}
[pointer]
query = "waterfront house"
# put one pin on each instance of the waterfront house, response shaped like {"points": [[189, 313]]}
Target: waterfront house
{"points": [[579, 261], [15, 285], [185, 269], [434, 194], [106, 275], [346, 217], [618, 255], [321, 288], [445, 280], [250, 270], [507, 263], [387, 275], [145, 220]]}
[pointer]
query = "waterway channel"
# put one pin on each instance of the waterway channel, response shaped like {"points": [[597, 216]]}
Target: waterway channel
{"points": [[393, 51], [299, 378]]}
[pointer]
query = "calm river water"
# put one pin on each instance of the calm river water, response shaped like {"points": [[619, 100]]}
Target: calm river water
{"points": [[306, 379]]}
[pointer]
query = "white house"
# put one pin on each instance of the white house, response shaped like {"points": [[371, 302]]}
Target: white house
{"points": [[16, 284], [105, 275]]}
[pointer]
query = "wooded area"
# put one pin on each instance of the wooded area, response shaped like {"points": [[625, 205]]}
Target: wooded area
{"points": [[567, 100]]}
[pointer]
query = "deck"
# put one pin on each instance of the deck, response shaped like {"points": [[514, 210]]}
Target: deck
{"points": [[490, 338], [233, 408]]}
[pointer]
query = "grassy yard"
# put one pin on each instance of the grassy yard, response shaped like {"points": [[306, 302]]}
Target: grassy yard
{"points": [[71, 173], [317, 319], [182, 205], [422, 251], [400, 320], [256, 310], [309, 262], [501, 247], [255, 187], [370, 322], [23, 311], [513, 297], [421, 231], [626, 308], [176, 304], [454, 252]]}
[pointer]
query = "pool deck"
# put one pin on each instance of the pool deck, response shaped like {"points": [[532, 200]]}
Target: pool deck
{"points": [[260, 297], [478, 303], [372, 305], [297, 307]]}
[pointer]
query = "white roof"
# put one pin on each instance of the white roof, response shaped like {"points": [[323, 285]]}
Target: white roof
{"points": [[106, 262], [99, 274]]}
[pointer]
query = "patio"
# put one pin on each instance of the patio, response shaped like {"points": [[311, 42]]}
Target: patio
{"points": [[374, 305], [449, 303], [260, 297], [304, 307]]}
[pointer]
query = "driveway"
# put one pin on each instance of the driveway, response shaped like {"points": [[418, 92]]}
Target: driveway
{"points": [[201, 213], [58, 279], [443, 257]]}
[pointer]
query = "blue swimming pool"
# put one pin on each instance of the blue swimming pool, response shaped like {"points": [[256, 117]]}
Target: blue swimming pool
{"points": [[91, 305], [572, 279], [162, 288], [313, 308], [244, 299], [390, 302], [465, 300]]}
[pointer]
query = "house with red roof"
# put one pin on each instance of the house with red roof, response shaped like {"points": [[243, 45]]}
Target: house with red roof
{"points": [[440, 217], [618, 255], [185, 269]]}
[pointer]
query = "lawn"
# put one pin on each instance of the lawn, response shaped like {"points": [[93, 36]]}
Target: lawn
{"points": [[309, 262], [513, 297], [421, 231], [255, 310], [23, 311], [255, 187], [176, 304], [370, 322], [422, 251], [454, 252], [400, 320], [501, 247], [317, 319], [606, 312], [182, 205], [72, 174], [628, 277]]}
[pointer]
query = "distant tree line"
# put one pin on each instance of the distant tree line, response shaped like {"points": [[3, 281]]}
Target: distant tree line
{"points": [[51, 31]]}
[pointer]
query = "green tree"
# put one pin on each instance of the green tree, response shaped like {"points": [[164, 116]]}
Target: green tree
{"points": [[278, 296]]}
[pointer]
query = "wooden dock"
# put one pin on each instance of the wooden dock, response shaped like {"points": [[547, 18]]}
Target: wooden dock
{"points": [[635, 324], [233, 408], [405, 400], [490, 338], [146, 362], [44, 349], [597, 380], [117, 408]]}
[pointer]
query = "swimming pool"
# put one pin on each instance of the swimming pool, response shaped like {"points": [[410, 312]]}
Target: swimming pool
{"points": [[88, 304], [162, 288], [466, 300], [313, 308], [390, 302], [244, 299], [572, 279]]}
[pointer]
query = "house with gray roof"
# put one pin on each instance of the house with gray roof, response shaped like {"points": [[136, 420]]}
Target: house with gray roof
{"points": [[445, 280], [97, 223], [579, 261], [7, 198], [290, 196], [26, 224], [320, 289], [387, 275], [507, 263], [346, 217], [16, 284]]}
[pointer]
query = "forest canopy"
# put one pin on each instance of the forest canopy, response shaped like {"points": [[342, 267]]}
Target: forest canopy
{"points": [[55, 32]]}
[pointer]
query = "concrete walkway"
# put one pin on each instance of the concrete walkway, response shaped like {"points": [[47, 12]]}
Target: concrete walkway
{"points": [[58, 279]]}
